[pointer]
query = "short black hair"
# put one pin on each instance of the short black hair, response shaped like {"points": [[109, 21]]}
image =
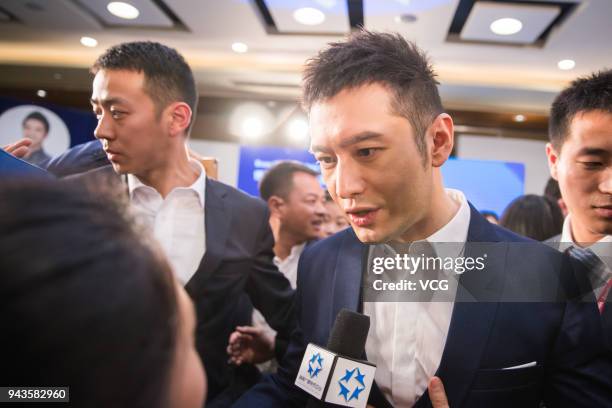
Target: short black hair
{"points": [[371, 57], [168, 77], [278, 180], [585, 94], [36, 115], [533, 216], [552, 189], [85, 303]]}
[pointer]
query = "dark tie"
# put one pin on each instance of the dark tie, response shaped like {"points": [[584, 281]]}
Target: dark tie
{"points": [[594, 265]]}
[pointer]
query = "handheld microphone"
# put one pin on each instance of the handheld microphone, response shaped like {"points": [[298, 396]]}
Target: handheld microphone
{"points": [[336, 374]]}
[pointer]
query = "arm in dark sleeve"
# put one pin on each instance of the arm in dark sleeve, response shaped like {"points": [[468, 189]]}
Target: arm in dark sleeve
{"points": [[269, 289], [77, 159], [278, 390]]}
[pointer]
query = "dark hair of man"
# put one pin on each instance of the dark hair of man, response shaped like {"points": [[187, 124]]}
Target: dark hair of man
{"points": [[278, 180], [84, 302], [533, 216], [168, 77], [368, 57], [584, 94], [39, 117], [552, 189]]}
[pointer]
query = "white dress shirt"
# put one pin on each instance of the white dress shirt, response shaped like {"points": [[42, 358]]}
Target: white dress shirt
{"points": [[601, 248], [406, 339], [177, 221]]}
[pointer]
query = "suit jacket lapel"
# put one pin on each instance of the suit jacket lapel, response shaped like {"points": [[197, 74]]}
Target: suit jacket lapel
{"points": [[472, 318], [347, 276], [217, 221]]}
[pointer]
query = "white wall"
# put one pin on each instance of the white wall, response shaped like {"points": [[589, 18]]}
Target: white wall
{"points": [[529, 152], [227, 154]]}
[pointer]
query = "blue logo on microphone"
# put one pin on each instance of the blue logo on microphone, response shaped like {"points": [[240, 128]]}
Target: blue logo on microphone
{"points": [[350, 384], [315, 365]]}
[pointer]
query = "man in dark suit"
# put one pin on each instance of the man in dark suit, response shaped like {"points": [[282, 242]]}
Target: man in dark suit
{"points": [[507, 335], [580, 159], [216, 238]]}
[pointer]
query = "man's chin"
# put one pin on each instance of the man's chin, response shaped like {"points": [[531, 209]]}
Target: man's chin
{"points": [[368, 235]]}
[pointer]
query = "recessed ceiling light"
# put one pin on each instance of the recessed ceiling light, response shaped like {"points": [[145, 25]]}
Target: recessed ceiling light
{"points": [[89, 42], [566, 64], [506, 26], [240, 47], [519, 118], [41, 93], [309, 16], [123, 10]]}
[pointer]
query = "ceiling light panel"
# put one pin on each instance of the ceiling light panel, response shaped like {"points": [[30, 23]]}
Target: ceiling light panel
{"points": [[41, 14], [535, 20], [149, 14], [335, 16]]}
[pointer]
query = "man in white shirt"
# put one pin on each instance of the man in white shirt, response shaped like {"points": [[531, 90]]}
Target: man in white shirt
{"points": [[296, 202], [580, 159], [216, 238]]}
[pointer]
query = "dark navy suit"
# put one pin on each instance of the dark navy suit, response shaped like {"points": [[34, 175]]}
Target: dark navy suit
{"points": [[563, 337]]}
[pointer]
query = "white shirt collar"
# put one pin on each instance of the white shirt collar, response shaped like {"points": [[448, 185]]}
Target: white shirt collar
{"points": [[455, 231], [199, 185]]}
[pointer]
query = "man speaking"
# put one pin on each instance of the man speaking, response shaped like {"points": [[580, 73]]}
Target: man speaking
{"points": [[379, 131]]}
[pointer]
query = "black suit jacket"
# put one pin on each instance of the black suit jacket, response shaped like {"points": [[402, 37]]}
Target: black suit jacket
{"points": [[235, 274]]}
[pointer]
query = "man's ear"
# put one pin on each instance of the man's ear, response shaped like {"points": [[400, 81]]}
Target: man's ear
{"points": [[443, 138], [180, 117], [553, 160], [276, 204]]}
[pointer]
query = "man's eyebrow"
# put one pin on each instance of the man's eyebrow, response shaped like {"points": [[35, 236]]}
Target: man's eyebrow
{"points": [[360, 137], [107, 102], [592, 151]]}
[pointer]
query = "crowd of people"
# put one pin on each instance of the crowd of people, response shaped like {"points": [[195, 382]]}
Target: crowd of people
{"points": [[131, 277]]}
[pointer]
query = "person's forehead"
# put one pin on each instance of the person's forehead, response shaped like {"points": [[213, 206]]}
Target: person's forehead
{"points": [[590, 129], [113, 83]]}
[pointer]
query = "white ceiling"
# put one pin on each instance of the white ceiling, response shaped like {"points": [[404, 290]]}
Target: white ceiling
{"points": [[473, 76]]}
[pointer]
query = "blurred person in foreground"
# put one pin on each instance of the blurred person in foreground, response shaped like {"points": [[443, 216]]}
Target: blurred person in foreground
{"points": [[296, 203], [380, 133], [533, 216], [580, 159], [87, 304], [334, 219]]}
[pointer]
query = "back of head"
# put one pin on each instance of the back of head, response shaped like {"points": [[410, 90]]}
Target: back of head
{"points": [[85, 303], [278, 180], [368, 57], [533, 216], [583, 95], [168, 77]]}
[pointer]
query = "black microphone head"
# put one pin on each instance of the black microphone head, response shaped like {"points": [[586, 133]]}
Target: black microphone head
{"points": [[349, 333]]}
